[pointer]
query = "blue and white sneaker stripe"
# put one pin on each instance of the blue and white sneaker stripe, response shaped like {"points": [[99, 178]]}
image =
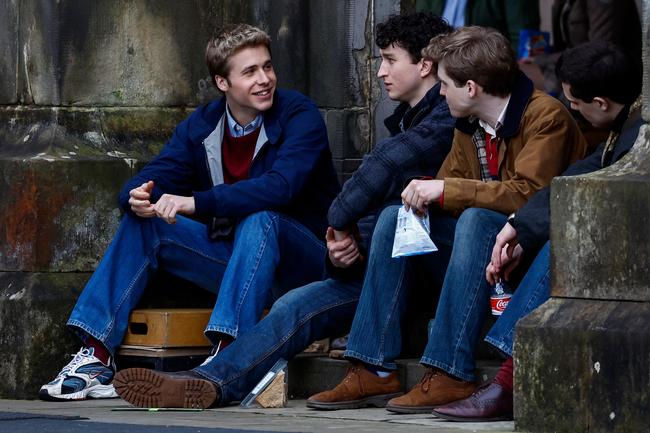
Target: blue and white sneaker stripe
{"points": [[84, 377]]}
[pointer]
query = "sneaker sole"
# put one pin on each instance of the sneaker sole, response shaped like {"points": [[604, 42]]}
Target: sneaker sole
{"points": [[148, 388], [95, 392], [375, 400]]}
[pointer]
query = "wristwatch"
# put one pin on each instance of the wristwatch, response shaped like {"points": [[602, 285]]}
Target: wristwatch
{"points": [[511, 220]]}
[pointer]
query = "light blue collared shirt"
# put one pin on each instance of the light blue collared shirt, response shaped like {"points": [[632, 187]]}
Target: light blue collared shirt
{"points": [[236, 130], [454, 12]]}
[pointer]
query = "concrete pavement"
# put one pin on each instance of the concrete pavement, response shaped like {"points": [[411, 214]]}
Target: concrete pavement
{"points": [[117, 415]]}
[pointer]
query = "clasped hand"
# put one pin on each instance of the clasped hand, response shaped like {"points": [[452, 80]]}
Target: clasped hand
{"points": [[343, 252], [166, 207]]}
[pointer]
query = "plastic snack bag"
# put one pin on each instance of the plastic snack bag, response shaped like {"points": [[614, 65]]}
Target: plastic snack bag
{"points": [[412, 234]]}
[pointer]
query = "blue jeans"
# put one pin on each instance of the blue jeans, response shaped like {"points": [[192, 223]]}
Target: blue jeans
{"points": [[533, 290], [376, 334], [465, 298], [242, 271], [303, 315]]}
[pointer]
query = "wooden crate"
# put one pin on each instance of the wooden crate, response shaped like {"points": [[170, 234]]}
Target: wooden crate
{"points": [[162, 359], [166, 328]]}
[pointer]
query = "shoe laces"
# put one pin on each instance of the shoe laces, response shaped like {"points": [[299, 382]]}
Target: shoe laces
{"points": [[425, 382], [353, 374], [77, 359]]}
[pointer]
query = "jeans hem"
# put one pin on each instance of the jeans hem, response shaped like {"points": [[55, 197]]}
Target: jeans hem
{"points": [[222, 330], [368, 360], [500, 344], [448, 369], [217, 385], [79, 327]]}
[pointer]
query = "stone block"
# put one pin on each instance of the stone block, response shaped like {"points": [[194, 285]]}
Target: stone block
{"points": [[124, 52], [34, 341], [348, 133], [139, 53], [345, 168], [311, 374], [8, 51], [58, 215], [337, 73], [583, 366], [82, 133], [600, 245]]}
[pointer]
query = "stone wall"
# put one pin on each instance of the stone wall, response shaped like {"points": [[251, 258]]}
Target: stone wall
{"points": [[90, 90]]}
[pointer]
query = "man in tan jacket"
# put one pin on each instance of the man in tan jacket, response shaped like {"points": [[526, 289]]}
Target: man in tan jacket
{"points": [[509, 142]]}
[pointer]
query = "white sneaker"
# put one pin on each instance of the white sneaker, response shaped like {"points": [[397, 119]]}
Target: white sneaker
{"points": [[84, 377]]}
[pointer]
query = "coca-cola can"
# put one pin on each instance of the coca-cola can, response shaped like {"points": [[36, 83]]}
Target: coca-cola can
{"points": [[499, 303]]}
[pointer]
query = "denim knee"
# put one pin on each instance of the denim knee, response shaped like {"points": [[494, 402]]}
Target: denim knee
{"points": [[476, 220], [476, 216], [259, 218], [386, 222], [256, 221]]}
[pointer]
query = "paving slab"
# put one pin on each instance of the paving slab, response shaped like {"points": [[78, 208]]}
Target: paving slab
{"points": [[118, 415]]}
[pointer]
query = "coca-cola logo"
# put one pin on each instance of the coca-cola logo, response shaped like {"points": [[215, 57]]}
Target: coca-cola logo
{"points": [[502, 304]]}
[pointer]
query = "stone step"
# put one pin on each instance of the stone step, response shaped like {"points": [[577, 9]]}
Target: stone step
{"points": [[309, 374]]}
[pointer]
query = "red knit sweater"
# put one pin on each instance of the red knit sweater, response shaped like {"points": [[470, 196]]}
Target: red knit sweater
{"points": [[237, 155]]}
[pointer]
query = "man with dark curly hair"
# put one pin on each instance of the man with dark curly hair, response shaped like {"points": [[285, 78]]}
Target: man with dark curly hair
{"points": [[421, 129]]}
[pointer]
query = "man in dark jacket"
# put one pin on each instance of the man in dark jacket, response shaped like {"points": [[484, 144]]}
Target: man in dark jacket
{"points": [[603, 84], [254, 172], [421, 130]]}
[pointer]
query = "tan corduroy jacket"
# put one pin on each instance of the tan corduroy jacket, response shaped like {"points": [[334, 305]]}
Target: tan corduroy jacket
{"points": [[539, 141]]}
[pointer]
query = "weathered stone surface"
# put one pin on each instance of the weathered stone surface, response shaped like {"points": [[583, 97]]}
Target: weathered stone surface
{"points": [[333, 78], [583, 366], [600, 239], [345, 168], [310, 374], [58, 215], [348, 132], [82, 133], [381, 105], [115, 53], [138, 53], [34, 342], [8, 51]]}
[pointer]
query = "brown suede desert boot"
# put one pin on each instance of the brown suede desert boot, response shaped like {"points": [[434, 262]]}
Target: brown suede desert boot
{"points": [[149, 388], [359, 388], [436, 388]]}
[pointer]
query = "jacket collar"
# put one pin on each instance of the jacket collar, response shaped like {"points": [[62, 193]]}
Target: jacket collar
{"points": [[627, 116], [521, 93], [214, 111], [405, 116]]}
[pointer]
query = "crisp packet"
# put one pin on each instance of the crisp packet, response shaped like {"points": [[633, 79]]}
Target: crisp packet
{"points": [[412, 234]]}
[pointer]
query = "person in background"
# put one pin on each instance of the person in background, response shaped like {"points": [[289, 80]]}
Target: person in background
{"points": [[507, 16]]}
